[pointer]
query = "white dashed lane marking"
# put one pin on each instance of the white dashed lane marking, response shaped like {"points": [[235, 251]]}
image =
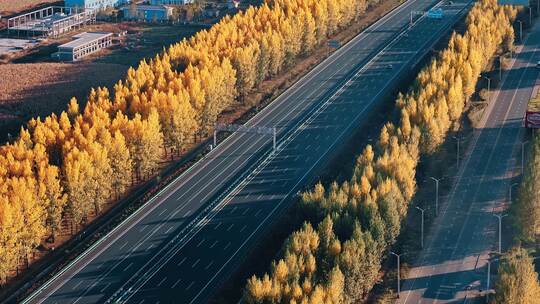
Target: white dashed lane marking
{"points": [[183, 260]]}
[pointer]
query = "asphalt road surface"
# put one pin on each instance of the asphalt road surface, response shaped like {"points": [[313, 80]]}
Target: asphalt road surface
{"points": [[181, 245], [453, 267]]}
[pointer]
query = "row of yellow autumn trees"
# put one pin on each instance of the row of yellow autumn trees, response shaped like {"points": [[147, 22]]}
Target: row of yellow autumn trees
{"points": [[66, 167], [338, 261], [517, 280], [526, 209]]}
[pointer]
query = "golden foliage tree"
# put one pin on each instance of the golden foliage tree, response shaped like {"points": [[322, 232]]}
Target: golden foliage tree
{"points": [[517, 281], [359, 218], [68, 166], [121, 166], [526, 209]]}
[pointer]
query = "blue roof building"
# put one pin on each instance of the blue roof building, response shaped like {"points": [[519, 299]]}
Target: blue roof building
{"points": [[148, 13], [95, 4]]}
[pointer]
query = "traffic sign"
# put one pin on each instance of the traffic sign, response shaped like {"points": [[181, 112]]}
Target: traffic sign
{"points": [[435, 13]]}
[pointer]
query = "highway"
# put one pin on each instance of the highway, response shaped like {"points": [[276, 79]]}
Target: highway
{"points": [[183, 243], [453, 266]]}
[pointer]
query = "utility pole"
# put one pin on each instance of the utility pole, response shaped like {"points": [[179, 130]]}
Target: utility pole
{"points": [[530, 16], [422, 227], [436, 194], [398, 283], [523, 156], [500, 217], [511, 186]]}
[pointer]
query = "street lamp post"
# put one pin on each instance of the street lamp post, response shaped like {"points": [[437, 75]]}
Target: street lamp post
{"points": [[523, 156], [520, 31], [398, 278], [274, 138], [500, 66], [436, 194], [487, 281], [488, 87], [458, 139], [510, 192], [500, 217], [421, 227]]}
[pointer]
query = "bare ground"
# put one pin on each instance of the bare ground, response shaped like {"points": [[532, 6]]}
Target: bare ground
{"points": [[36, 89]]}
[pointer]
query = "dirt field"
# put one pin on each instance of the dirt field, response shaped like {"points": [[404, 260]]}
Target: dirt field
{"points": [[143, 40], [37, 89], [33, 85], [9, 7]]}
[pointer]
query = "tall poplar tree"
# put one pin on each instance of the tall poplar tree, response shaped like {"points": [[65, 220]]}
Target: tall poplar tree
{"points": [[517, 281]]}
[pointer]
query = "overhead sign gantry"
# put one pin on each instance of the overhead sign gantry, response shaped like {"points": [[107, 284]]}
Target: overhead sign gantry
{"points": [[245, 129]]}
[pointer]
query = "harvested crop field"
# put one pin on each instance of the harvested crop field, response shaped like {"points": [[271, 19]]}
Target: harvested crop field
{"points": [[38, 89]]}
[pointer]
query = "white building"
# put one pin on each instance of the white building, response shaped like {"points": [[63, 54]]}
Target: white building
{"points": [[84, 45], [95, 4], [50, 21]]}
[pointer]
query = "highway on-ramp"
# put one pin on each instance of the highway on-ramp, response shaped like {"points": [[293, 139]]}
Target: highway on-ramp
{"points": [[453, 266], [182, 244]]}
